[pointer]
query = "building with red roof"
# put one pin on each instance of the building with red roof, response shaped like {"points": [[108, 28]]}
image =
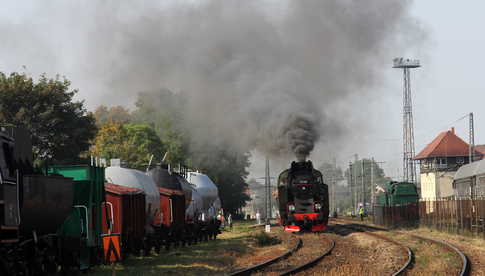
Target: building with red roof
{"points": [[439, 161]]}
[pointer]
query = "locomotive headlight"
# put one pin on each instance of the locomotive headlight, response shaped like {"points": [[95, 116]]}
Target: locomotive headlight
{"points": [[318, 206], [291, 208]]}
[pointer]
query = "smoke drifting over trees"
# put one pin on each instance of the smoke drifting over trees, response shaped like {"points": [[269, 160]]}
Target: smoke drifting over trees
{"points": [[253, 77]]}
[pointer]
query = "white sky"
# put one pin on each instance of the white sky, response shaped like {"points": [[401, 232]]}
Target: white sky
{"points": [[450, 84]]}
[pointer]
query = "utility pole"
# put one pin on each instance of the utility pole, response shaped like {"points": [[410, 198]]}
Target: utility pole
{"points": [[363, 185], [409, 167], [373, 186], [471, 138], [355, 174], [267, 184], [334, 185], [350, 181]]}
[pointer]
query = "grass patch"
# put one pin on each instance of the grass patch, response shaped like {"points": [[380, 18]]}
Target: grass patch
{"points": [[206, 258], [264, 239]]}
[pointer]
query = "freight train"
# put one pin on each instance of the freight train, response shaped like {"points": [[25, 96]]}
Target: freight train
{"points": [[302, 198], [67, 217]]}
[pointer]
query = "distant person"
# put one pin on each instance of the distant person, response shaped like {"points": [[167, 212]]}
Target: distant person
{"points": [[361, 213], [258, 217], [229, 221]]}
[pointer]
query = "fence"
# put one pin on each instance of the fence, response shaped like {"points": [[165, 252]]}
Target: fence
{"points": [[397, 216], [454, 215]]}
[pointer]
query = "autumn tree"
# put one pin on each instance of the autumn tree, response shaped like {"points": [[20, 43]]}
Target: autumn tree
{"points": [[118, 113], [133, 143], [61, 127], [226, 166]]}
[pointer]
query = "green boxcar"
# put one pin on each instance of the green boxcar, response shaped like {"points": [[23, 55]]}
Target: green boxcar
{"points": [[397, 193], [83, 227]]}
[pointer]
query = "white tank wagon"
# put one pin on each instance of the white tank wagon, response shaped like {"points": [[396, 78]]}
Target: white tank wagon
{"points": [[137, 179], [208, 192], [194, 210]]}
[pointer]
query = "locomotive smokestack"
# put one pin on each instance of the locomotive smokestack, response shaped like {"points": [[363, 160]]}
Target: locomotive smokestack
{"points": [[300, 157]]}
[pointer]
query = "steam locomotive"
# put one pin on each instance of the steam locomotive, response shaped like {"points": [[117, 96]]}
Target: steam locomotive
{"points": [[302, 198]]}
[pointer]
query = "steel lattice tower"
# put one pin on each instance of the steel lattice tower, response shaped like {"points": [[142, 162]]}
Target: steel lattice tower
{"points": [[409, 167]]}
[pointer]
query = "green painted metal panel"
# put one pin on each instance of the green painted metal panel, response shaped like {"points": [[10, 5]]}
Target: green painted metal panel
{"points": [[398, 193], [86, 219]]}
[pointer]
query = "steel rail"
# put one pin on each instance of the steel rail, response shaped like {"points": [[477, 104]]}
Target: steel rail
{"points": [[310, 263], [465, 269], [254, 268]]}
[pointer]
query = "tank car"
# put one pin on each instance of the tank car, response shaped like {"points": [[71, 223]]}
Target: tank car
{"points": [[196, 223], [302, 198], [210, 204]]}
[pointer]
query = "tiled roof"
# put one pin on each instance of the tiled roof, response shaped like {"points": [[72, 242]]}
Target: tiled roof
{"points": [[445, 145]]}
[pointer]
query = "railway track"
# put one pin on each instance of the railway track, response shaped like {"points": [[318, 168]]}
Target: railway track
{"points": [[465, 264], [307, 252], [406, 250]]}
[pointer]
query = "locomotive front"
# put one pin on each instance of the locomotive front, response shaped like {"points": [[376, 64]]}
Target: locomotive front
{"points": [[303, 198]]}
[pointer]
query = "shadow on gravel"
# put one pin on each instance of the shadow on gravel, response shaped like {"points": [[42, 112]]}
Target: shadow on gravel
{"points": [[349, 228]]}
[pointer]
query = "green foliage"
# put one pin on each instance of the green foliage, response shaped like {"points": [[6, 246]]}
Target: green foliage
{"points": [[166, 112], [119, 114], [61, 128], [163, 111], [133, 143], [227, 168], [263, 239]]}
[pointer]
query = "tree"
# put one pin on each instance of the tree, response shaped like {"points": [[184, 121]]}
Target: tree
{"points": [[61, 128], [228, 169], [371, 169], [163, 110], [117, 113], [133, 143]]}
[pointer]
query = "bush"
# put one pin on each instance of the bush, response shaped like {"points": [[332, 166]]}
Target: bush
{"points": [[263, 239]]}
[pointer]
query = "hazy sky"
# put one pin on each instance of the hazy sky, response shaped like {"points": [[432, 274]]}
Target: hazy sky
{"points": [[449, 85]]}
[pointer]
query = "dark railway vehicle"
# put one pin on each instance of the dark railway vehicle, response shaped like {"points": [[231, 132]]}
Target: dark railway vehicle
{"points": [[48, 218], [303, 198]]}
